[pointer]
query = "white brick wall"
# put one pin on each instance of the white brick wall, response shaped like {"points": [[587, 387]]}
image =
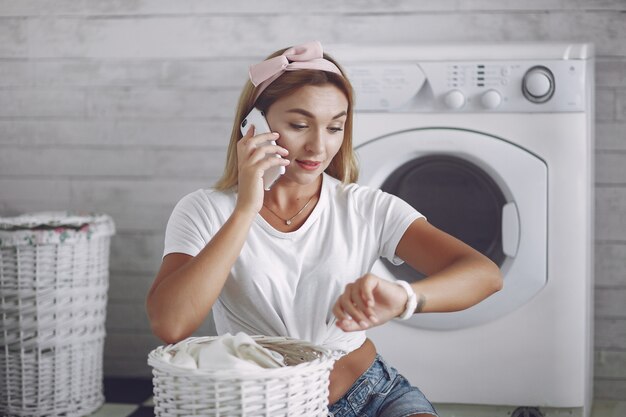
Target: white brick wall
{"points": [[124, 107]]}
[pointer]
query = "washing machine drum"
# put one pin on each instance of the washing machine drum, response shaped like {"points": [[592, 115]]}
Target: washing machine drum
{"points": [[481, 189], [449, 190]]}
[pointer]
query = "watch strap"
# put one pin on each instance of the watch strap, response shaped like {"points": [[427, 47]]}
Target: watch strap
{"points": [[411, 302]]}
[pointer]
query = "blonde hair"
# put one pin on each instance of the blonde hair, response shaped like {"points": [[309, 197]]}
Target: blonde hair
{"points": [[343, 166]]}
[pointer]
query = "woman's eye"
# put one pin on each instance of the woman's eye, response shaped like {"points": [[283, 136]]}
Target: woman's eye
{"points": [[298, 127], [335, 129]]}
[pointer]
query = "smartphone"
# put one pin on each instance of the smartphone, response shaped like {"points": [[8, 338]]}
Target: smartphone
{"points": [[257, 118]]}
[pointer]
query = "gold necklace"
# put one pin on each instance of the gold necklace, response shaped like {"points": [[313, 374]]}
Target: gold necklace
{"points": [[288, 221]]}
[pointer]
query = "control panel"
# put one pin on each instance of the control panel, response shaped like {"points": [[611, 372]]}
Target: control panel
{"points": [[465, 86]]}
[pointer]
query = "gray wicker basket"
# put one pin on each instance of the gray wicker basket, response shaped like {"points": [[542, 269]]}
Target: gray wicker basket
{"points": [[54, 279]]}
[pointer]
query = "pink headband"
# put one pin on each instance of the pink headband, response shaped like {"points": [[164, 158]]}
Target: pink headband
{"points": [[306, 56]]}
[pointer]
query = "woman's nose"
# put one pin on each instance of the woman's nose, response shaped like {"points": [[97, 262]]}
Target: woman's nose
{"points": [[315, 142]]}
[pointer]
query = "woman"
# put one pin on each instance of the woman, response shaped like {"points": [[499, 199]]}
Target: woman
{"points": [[294, 260]]}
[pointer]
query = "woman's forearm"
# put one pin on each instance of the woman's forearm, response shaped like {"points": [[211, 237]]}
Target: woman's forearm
{"points": [[466, 282], [182, 301]]}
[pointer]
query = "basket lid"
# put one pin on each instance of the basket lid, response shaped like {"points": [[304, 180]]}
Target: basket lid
{"points": [[54, 227]]}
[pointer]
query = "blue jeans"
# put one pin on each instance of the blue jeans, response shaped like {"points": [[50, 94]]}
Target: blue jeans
{"points": [[381, 392]]}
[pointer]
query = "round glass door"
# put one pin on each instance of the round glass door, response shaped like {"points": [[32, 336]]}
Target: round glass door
{"points": [[457, 197], [483, 190]]}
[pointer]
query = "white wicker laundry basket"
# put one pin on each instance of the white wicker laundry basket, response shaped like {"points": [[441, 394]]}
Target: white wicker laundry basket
{"points": [[54, 278], [300, 389]]}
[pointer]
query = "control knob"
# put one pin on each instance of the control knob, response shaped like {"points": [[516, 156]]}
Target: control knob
{"points": [[538, 84], [491, 99], [454, 99]]}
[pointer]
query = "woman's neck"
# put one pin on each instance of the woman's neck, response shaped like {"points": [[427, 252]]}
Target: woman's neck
{"points": [[289, 195]]}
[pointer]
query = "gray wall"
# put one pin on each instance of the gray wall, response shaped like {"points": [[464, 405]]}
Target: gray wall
{"points": [[125, 106]]}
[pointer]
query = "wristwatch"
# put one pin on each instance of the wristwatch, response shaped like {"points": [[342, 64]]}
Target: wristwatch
{"points": [[413, 304]]}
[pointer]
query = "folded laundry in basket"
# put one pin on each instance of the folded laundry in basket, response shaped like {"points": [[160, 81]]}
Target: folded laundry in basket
{"points": [[184, 359], [239, 352]]}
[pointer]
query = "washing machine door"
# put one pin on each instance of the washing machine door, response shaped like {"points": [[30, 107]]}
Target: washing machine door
{"points": [[485, 191]]}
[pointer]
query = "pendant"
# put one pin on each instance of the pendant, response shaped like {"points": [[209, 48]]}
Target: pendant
{"points": [[287, 222]]}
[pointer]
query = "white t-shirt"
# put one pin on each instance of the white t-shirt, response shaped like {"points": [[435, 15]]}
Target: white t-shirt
{"points": [[286, 284]]}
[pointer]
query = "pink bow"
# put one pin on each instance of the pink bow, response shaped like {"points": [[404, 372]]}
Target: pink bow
{"points": [[309, 55]]}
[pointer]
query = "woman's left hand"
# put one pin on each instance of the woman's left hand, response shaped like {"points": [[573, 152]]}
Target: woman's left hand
{"points": [[367, 302]]}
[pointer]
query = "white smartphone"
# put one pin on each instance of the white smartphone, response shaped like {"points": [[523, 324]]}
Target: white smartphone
{"points": [[257, 118]]}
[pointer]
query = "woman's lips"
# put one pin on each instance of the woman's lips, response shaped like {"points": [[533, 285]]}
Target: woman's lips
{"points": [[308, 165]]}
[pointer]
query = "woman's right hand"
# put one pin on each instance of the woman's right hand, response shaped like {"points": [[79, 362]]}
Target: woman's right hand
{"points": [[251, 164]]}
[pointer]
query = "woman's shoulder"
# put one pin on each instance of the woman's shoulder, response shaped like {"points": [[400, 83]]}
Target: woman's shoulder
{"points": [[352, 191], [369, 200], [359, 199], [204, 198]]}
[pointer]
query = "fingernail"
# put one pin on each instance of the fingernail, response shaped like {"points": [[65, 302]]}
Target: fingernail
{"points": [[373, 319], [275, 134], [363, 323]]}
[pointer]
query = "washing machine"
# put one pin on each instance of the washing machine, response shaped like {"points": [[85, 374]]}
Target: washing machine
{"points": [[494, 144]]}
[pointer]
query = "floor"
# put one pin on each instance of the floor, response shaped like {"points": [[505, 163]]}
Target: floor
{"points": [[127, 397]]}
